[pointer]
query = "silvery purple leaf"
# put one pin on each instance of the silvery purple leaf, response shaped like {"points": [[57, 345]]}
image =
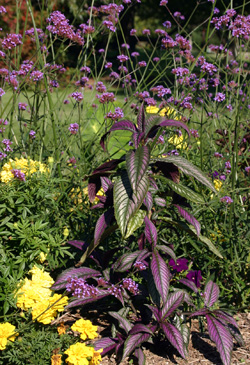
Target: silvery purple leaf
{"points": [[161, 275], [143, 255], [189, 218], [106, 183], [102, 223], [156, 312], [169, 170], [225, 317], [211, 293], [174, 123], [139, 328], [230, 324], [150, 231], [133, 342], [81, 272], [137, 137], [167, 250], [200, 312], [174, 336], [105, 343], [78, 244], [140, 356], [107, 167], [137, 164], [142, 241], [222, 338], [83, 301], [189, 169], [173, 302], [127, 202], [153, 184], [160, 202], [125, 125], [123, 322], [141, 118], [148, 201], [94, 185], [125, 262]]}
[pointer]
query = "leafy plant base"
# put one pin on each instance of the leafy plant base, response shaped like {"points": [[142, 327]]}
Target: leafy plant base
{"points": [[201, 349]]}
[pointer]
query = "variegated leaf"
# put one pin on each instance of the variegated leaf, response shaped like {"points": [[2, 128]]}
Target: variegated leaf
{"points": [[137, 164], [127, 202], [175, 337], [135, 222], [161, 275], [211, 293]]}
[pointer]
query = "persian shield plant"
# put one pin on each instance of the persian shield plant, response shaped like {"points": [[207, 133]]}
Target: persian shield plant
{"points": [[143, 194]]}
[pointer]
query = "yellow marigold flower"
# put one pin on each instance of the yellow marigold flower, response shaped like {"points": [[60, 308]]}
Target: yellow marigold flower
{"points": [[163, 112], [177, 141], [101, 193], [85, 328], [56, 359], [34, 290], [96, 358], [66, 232], [61, 329], [42, 257], [78, 354], [7, 333], [26, 166], [50, 307], [217, 184]]}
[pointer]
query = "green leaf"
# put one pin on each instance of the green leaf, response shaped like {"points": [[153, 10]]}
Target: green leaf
{"points": [[127, 202], [135, 222], [183, 191], [189, 169]]}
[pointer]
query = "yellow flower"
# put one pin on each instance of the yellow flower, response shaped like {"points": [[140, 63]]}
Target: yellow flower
{"points": [[217, 184], [85, 328], [177, 141], [50, 307], [61, 329], [7, 332], [50, 159], [42, 257], [65, 232], [26, 166], [96, 358], [78, 354], [56, 359], [34, 290], [152, 109]]}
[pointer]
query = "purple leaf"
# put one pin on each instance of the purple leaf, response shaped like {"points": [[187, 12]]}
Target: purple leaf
{"points": [[156, 312], [222, 338], [160, 202], [174, 301], [148, 201], [141, 118], [106, 167], [143, 255], [137, 137], [125, 262], [94, 186], [225, 317], [124, 125], [138, 328], [127, 202], [140, 356], [200, 312], [83, 301], [78, 244], [169, 170], [102, 223], [137, 164], [174, 123], [211, 293], [106, 344], [106, 183], [189, 169], [141, 241], [174, 336], [133, 342], [161, 275], [166, 250], [189, 218], [150, 231], [153, 184], [123, 322], [231, 325], [82, 272]]}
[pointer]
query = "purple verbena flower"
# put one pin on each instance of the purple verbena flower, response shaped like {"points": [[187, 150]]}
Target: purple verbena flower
{"points": [[18, 174], [220, 97], [32, 134], [77, 96], [106, 98], [117, 114], [80, 288], [226, 199], [7, 144], [11, 41], [73, 128], [2, 92], [140, 265], [22, 106], [130, 285]]}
